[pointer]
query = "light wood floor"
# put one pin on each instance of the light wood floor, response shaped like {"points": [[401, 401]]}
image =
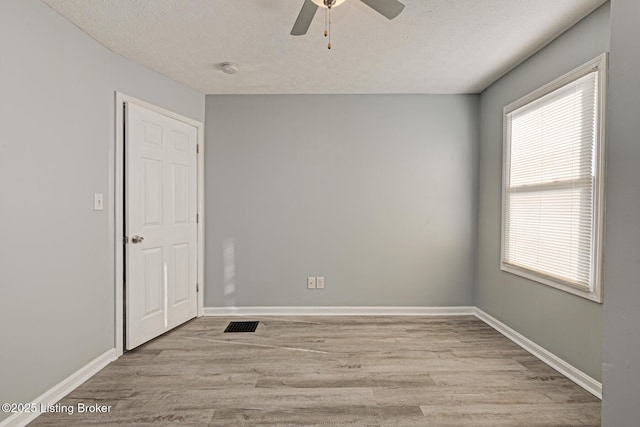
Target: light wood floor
{"points": [[305, 371]]}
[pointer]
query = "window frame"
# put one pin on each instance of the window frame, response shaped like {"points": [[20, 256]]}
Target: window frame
{"points": [[595, 291]]}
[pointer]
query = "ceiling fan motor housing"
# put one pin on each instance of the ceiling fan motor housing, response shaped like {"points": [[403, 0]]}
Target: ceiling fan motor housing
{"points": [[328, 4]]}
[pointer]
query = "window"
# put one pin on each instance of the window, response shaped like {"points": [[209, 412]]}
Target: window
{"points": [[553, 182]]}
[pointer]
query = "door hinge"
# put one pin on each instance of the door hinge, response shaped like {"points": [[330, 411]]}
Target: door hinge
{"points": [[197, 287], [197, 218], [197, 148]]}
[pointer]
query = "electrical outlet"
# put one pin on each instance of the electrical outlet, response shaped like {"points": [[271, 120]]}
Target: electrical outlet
{"points": [[311, 282], [320, 282]]}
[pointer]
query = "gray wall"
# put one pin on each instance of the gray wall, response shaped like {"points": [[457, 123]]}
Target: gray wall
{"points": [[567, 325], [621, 317], [376, 193], [56, 258]]}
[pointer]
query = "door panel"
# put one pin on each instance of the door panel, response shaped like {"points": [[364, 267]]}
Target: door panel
{"points": [[152, 282], [181, 262], [152, 192], [180, 194], [161, 207]]}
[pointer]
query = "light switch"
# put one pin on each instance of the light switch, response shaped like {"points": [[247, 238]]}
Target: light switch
{"points": [[98, 202]]}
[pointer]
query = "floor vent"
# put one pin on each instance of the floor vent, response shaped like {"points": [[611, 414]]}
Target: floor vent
{"points": [[242, 327]]}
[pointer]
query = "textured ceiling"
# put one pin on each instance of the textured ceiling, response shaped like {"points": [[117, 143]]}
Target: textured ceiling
{"points": [[434, 46]]}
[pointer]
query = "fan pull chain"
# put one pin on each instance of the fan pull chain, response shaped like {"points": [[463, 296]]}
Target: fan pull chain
{"points": [[325, 23], [329, 45]]}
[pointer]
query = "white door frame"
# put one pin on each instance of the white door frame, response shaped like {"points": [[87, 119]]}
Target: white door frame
{"points": [[118, 204]]}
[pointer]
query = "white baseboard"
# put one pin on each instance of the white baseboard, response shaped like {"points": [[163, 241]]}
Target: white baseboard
{"points": [[339, 311], [574, 374], [64, 387]]}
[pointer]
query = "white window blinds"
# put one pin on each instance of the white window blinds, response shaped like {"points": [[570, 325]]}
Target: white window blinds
{"points": [[550, 184]]}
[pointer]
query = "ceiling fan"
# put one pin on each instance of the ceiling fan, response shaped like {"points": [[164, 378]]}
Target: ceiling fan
{"points": [[387, 8]]}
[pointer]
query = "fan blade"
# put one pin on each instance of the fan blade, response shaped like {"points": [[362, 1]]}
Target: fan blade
{"points": [[387, 8], [305, 17]]}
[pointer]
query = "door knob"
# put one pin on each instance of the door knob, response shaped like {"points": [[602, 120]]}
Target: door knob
{"points": [[137, 239]]}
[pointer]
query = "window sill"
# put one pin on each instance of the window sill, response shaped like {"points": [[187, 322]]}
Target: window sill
{"points": [[590, 294]]}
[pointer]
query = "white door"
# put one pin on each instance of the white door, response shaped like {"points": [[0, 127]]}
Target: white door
{"points": [[160, 223]]}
